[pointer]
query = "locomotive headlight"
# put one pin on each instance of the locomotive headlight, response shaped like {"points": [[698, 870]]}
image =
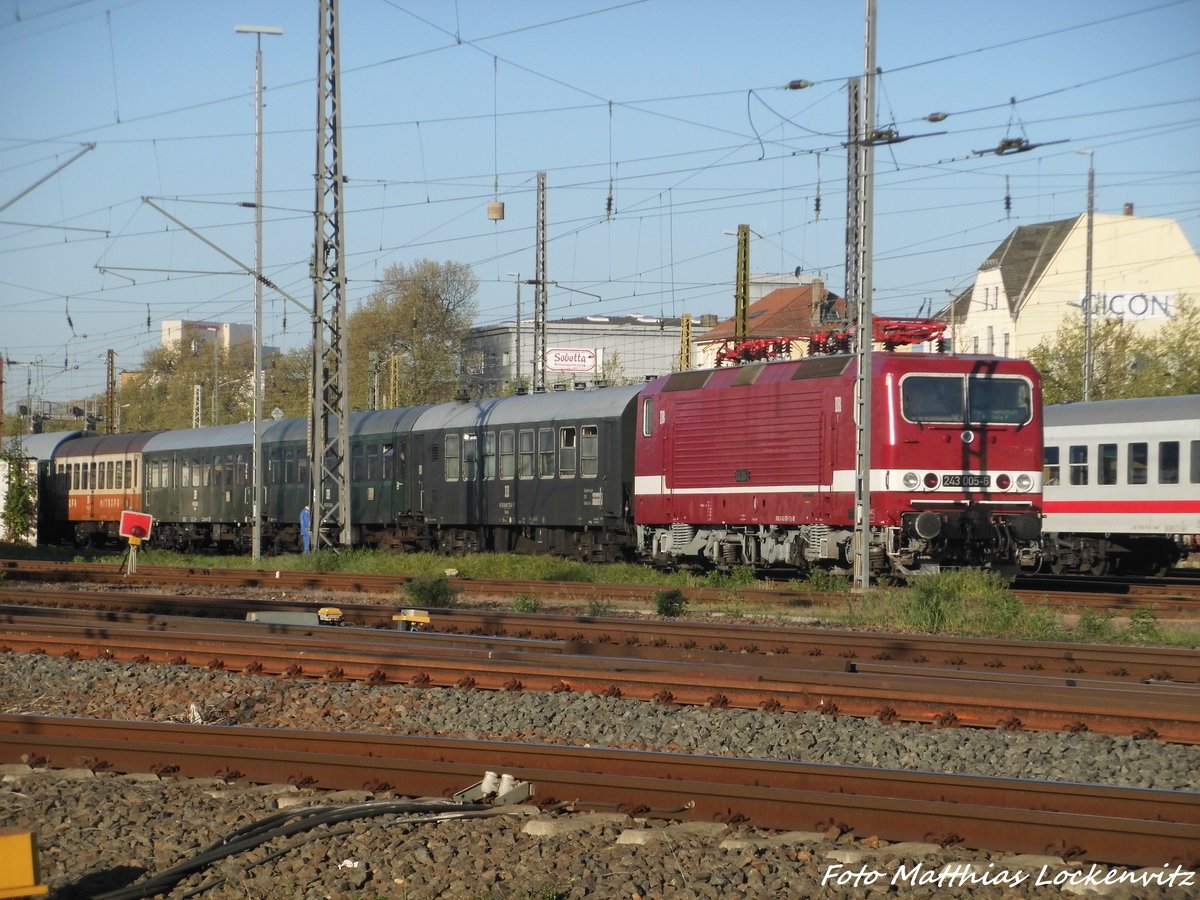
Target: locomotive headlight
{"points": [[1024, 483], [911, 481], [931, 480], [1003, 482]]}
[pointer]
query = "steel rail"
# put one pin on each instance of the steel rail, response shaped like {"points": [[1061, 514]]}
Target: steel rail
{"points": [[1169, 712], [1104, 824], [1182, 602], [640, 638]]}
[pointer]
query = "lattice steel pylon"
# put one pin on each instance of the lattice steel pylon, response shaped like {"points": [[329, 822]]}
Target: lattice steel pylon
{"points": [[110, 394], [329, 415], [540, 297], [741, 294]]}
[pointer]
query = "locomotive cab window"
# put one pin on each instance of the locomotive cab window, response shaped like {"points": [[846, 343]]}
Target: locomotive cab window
{"points": [[999, 401], [932, 398]]}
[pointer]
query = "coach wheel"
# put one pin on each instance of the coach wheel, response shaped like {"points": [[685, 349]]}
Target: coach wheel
{"points": [[1098, 567]]}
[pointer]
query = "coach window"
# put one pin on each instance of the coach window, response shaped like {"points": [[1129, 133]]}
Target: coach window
{"points": [[1079, 464], [119, 476], [589, 450], [388, 459], [1106, 460], [289, 466], [566, 452], [302, 469], [1138, 463], [525, 453], [470, 458], [647, 416], [93, 479], [1168, 462], [374, 468], [453, 460], [1195, 463], [488, 451], [356, 463], [152, 477], [508, 455], [546, 452]]}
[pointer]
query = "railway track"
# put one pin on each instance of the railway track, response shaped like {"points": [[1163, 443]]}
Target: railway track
{"points": [[891, 691], [1176, 598], [1104, 824], [646, 638]]}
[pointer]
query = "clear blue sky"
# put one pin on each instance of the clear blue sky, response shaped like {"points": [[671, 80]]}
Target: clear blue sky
{"points": [[677, 104]]}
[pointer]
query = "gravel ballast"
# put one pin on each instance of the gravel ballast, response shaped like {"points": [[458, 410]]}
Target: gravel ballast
{"points": [[90, 826]]}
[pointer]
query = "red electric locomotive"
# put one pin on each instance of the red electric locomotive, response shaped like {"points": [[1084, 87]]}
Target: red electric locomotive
{"points": [[756, 465]]}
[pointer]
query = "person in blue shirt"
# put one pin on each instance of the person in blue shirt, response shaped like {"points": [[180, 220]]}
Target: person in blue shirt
{"points": [[305, 526]]}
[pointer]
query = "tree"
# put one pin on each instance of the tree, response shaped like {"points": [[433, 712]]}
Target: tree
{"points": [[287, 384], [415, 320], [19, 513], [1124, 363]]}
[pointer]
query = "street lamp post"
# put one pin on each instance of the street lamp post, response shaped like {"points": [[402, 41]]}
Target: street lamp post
{"points": [[1087, 289], [256, 452]]}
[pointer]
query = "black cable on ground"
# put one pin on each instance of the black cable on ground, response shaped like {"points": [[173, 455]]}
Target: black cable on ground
{"points": [[279, 825]]}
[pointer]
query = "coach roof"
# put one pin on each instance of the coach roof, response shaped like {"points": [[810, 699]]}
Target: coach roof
{"points": [[201, 438], [531, 409], [1119, 412]]}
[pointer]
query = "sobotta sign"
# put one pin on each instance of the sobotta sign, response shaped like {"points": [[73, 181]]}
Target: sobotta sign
{"points": [[570, 359]]}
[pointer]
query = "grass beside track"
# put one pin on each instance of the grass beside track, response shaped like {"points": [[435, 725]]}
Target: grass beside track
{"points": [[966, 602]]}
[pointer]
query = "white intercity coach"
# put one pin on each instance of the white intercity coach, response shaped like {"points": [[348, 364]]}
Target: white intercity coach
{"points": [[1122, 485]]}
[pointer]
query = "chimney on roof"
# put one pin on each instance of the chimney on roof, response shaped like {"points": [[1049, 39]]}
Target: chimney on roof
{"points": [[1129, 209]]}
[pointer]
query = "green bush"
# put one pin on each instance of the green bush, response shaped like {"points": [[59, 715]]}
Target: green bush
{"points": [[524, 603], [598, 606], [824, 580], [1142, 627], [1095, 626], [434, 592], [670, 603]]}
